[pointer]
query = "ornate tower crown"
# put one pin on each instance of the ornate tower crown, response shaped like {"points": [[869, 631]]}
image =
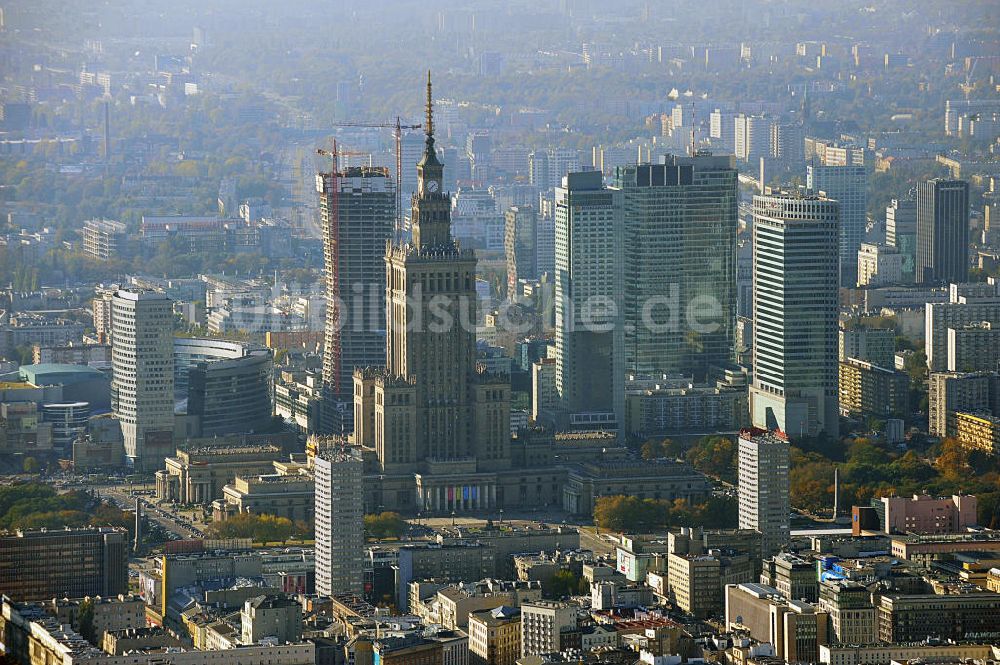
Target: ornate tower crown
{"points": [[431, 206]]}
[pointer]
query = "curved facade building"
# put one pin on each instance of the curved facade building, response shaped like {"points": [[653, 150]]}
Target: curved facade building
{"points": [[227, 384], [69, 420], [189, 351]]}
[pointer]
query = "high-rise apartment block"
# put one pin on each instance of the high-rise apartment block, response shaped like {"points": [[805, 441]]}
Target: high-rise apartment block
{"points": [[64, 563], [339, 516], [680, 220], [974, 347], [752, 137], [142, 390], [588, 295], [957, 110], [969, 304], [104, 239], [867, 389], [872, 345], [942, 231], [357, 208], [952, 392], [848, 185], [795, 315], [762, 468]]}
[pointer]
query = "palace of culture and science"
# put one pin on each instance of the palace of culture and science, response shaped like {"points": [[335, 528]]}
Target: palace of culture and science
{"points": [[433, 423]]}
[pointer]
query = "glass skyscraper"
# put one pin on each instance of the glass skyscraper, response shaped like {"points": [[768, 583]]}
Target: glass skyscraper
{"points": [[795, 313], [680, 221]]}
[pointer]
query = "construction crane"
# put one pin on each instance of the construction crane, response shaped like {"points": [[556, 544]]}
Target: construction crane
{"points": [[397, 135], [336, 153]]}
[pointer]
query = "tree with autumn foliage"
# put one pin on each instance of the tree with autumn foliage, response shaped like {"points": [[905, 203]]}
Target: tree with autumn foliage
{"points": [[654, 449], [260, 528], [714, 456], [632, 514]]}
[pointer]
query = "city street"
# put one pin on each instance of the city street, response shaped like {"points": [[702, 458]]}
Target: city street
{"points": [[119, 495]]}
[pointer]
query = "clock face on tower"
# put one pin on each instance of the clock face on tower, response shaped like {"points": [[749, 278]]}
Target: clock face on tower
{"points": [[432, 186]]}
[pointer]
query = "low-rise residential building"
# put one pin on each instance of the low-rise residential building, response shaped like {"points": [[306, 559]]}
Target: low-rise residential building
{"points": [[495, 636], [546, 627], [978, 431], [276, 617], [107, 614], [72, 354], [32, 637], [694, 583]]}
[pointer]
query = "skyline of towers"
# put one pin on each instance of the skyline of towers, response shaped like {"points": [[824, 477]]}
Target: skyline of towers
{"points": [[942, 231], [142, 388], [339, 517], [357, 212], [795, 314]]}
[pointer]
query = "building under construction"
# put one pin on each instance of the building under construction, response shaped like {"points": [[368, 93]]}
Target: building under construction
{"points": [[357, 211]]}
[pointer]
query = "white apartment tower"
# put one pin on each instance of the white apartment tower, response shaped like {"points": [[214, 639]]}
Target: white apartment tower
{"points": [[339, 515], [763, 463], [795, 306], [142, 390]]}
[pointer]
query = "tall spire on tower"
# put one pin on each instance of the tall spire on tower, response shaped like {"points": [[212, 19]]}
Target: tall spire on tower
{"points": [[430, 108], [430, 155]]}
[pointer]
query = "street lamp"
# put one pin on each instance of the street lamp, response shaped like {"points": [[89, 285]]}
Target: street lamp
{"points": [[501, 516], [453, 518]]}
